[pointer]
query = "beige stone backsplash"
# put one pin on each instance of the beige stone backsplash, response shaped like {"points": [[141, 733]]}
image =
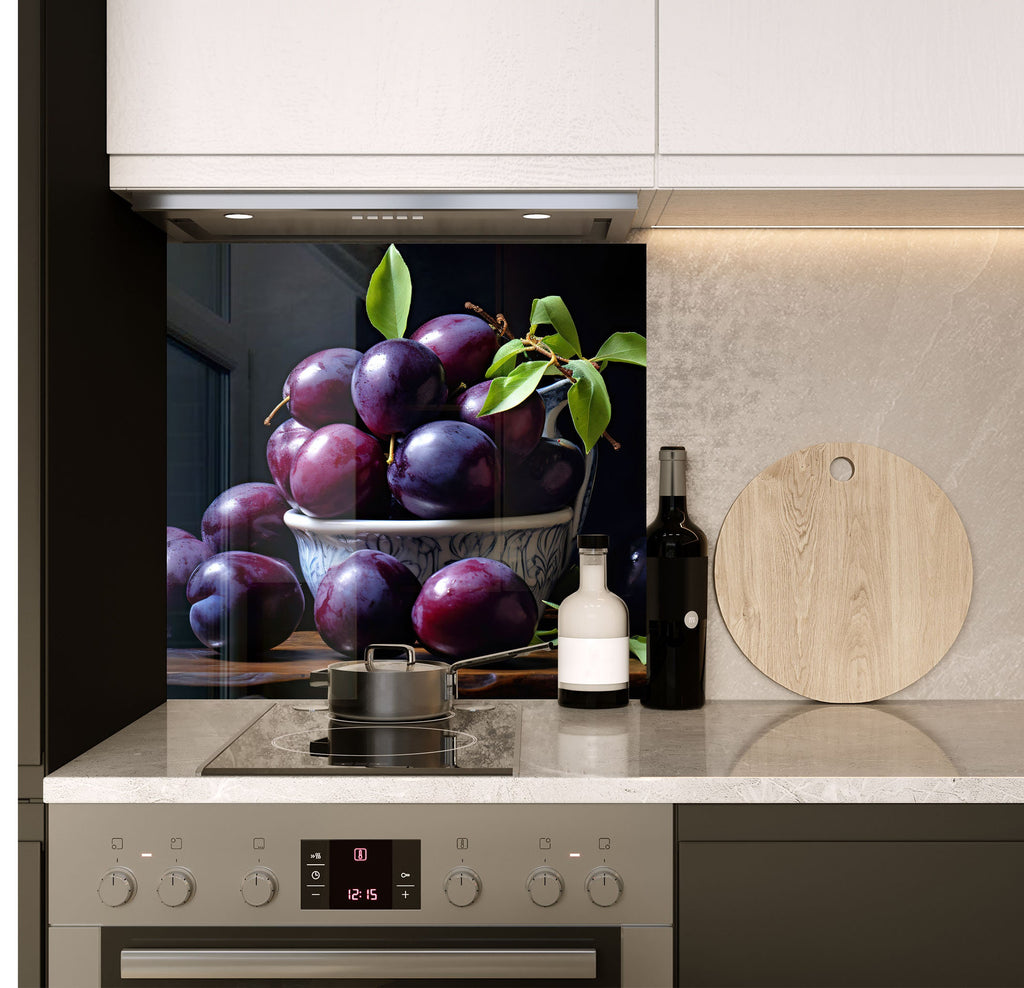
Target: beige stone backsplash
{"points": [[766, 341]]}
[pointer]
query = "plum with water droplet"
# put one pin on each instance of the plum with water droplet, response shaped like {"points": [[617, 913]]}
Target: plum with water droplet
{"points": [[244, 603], [284, 442], [319, 388], [474, 606], [548, 479], [184, 553], [365, 600], [339, 472], [516, 431], [465, 344], [446, 470], [248, 517], [397, 385]]}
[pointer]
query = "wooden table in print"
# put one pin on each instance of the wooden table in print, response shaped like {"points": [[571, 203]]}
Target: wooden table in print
{"points": [[525, 677]]}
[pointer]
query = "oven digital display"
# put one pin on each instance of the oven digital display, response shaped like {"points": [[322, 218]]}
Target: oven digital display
{"points": [[360, 874]]}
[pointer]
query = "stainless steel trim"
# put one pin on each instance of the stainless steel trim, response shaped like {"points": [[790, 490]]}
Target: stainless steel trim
{"points": [[544, 965], [143, 200]]}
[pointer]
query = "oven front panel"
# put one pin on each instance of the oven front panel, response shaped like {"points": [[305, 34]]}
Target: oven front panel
{"points": [[241, 865]]}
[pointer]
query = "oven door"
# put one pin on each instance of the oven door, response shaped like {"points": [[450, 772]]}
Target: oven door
{"points": [[399, 956]]}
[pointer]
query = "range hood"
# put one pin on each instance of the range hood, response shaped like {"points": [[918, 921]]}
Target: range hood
{"points": [[385, 217]]}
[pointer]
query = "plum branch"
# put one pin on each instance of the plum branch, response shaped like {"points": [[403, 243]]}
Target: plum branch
{"points": [[532, 342]]}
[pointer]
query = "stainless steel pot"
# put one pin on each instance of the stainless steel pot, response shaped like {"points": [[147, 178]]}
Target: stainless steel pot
{"points": [[396, 690]]}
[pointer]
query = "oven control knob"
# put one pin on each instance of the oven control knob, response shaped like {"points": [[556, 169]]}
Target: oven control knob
{"points": [[176, 887], [117, 887], [604, 887], [462, 886], [545, 886], [259, 886]]}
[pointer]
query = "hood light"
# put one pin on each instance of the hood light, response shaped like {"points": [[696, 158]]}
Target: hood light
{"points": [[536, 216], [238, 216]]}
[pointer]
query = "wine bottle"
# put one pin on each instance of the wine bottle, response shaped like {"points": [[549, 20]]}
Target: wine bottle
{"points": [[593, 636], [677, 595]]}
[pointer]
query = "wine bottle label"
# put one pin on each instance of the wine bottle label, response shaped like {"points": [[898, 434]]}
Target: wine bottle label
{"points": [[591, 664], [677, 589]]}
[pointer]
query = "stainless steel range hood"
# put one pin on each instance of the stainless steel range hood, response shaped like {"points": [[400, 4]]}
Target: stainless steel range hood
{"points": [[384, 217]]}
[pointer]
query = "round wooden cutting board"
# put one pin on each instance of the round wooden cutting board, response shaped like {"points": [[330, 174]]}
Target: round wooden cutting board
{"points": [[843, 590]]}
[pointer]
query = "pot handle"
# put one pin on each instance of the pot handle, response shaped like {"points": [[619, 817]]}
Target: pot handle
{"points": [[410, 653], [479, 659], [319, 677]]}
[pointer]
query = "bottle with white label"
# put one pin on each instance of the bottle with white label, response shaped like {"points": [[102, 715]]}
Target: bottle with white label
{"points": [[593, 636]]}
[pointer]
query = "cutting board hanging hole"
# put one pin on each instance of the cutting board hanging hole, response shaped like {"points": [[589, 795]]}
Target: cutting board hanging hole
{"points": [[841, 468]]}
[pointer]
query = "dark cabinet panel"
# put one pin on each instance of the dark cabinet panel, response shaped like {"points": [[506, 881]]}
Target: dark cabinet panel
{"points": [[842, 913]]}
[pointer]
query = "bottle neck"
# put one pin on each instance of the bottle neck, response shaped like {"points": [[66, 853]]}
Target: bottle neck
{"points": [[672, 479], [593, 569], [672, 487], [672, 505]]}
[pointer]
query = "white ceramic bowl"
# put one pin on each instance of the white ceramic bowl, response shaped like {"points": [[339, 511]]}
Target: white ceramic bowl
{"points": [[535, 546]]}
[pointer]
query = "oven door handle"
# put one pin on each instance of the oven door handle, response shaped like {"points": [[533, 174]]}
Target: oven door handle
{"points": [[447, 965]]}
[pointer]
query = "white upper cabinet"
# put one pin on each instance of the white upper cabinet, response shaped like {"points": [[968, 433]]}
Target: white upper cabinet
{"points": [[833, 94], [865, 77], [381, 77]]}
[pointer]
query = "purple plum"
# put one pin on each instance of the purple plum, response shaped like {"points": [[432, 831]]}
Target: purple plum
{"points": [[319, 388], [473, 607], [366, 600], [177, 533], [339, 472], [548, 479], [397, 385], [627, 578], [465, 344], [446, 470], [184, 553], [244, 603], [516, 431], [249, 517], [284, 442]]}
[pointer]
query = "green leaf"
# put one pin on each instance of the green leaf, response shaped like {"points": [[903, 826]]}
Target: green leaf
{"points": [[551, 310], [638, 646], [559, 345], [589, 404], [507, 392], [505, 359], [550, 603], [389, 295], [624, 348]]}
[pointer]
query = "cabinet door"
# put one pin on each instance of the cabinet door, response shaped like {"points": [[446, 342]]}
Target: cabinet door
{"points": [[850, 913], [348, 77], [794, 77]]}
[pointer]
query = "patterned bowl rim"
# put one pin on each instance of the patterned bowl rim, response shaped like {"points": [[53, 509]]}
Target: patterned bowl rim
{"points": [[297, 521]]}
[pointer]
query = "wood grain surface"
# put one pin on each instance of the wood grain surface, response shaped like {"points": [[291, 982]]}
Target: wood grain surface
{"points": [[526, 677], [843, 590]]}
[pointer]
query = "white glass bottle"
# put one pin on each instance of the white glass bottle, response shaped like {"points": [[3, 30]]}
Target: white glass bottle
{"points": [[593, 636]]}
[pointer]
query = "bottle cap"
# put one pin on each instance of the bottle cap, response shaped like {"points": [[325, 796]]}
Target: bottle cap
{"points": [[593, 541], [672, 453]]}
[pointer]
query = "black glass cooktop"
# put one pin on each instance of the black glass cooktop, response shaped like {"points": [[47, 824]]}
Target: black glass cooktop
{"points": [[295, 738]]}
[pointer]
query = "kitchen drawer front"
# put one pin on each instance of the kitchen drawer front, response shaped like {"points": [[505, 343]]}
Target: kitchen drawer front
{"points": [[823, 913]]}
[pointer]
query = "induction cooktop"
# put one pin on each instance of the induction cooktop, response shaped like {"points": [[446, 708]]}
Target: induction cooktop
{"points": [[300, 738]]}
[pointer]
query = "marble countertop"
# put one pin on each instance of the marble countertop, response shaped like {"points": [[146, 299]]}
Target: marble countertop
{"points": [[968, 751]]}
